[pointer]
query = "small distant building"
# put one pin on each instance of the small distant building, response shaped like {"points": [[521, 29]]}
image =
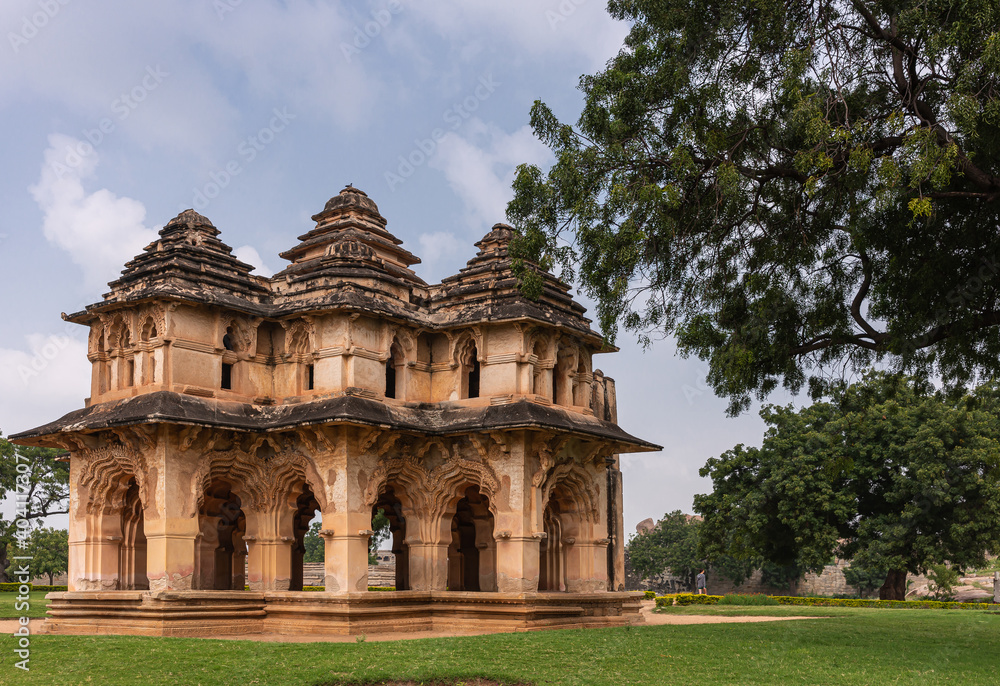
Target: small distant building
{"points": [[226, 409]]}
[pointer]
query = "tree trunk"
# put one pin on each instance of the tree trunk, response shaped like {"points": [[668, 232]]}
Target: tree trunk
{"points": [[4, 562], [894, 587], [50, 578]]}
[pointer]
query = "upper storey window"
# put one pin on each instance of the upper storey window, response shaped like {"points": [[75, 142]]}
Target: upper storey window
{"points": [[390, 377], [469, 361], [394, 372]]}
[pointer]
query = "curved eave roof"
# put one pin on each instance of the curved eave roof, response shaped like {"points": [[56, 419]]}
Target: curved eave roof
{"points": [[166, 407]]}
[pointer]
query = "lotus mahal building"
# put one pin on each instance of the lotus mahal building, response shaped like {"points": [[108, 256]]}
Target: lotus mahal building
{"points": [[226, 410]]}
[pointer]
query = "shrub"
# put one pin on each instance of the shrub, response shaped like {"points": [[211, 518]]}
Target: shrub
{"points": [[13, 588], [649, 595], [942, 580], [684, 599]]}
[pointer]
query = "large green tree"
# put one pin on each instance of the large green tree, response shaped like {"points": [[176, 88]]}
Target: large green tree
{"points": [[49, 551], [41, 480], [888, 474], [792, 188]]}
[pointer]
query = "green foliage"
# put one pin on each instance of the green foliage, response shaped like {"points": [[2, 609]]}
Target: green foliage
{"points": [[672, 545], [685, 599], [13, 587], [38, 475], [315, 550], [788, 188], [380, 533], [942, 581], [887, 474], [49, 551], [865, 581]]}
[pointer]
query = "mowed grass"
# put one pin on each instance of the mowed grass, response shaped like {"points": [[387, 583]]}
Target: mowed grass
{"points": [[840, 646], [8, 601]]}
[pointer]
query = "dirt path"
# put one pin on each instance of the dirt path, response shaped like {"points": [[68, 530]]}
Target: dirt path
{"points": [[650, 618]]}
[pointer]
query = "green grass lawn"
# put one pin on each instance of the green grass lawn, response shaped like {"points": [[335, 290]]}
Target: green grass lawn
{"points": [[849, 646], [9, 600]]}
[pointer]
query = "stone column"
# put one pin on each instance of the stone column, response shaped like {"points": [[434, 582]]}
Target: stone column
{"points": [[616, 525], [517, 563], [94, 539], [518, 530], [428, 558], [170, 542], [346, 537], [270, 537]]}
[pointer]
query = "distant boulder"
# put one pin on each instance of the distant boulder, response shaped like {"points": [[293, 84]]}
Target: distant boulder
{"points": [[645, 526]]}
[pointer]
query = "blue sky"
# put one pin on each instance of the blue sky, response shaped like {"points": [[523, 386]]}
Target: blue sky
{"points": [[116, 117]]}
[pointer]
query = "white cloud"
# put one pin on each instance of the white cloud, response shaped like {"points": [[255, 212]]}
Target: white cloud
{"points": [[440, 255], [567, 27], [249, 254], [479, 164], [217, 69], [99, 230], [42, 382]]}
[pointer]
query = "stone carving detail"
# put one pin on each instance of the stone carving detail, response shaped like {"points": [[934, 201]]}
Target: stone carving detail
{"points": [[264, 481], [431, 490], [106, 473], [578, 484]]}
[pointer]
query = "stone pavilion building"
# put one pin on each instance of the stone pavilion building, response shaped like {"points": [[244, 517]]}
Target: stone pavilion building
{"points": [[227, 410]]}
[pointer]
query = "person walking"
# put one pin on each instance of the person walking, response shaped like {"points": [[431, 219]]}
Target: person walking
{"points": [[699, 583]]}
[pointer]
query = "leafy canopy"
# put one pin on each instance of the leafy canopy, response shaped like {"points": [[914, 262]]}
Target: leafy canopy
{"points": [[48, 549], [44, 483], [791, 188], [887, 474], [670, 545]]}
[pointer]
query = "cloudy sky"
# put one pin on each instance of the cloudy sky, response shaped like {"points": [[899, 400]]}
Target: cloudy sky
{"points": [[114, 117]]}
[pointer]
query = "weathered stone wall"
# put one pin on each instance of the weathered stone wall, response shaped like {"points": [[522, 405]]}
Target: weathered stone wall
{"points": [[829, 582]]}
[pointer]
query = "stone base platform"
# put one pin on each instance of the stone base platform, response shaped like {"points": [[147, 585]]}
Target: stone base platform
{"points": [[232, 613]]}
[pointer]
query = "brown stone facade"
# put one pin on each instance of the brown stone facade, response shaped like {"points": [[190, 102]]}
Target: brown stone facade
{"points": [[227, 409]]}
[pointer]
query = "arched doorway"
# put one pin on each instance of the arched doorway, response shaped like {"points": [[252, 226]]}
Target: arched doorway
{"points": [[221, 552], [132, 549], [392, 507], [551, 556], [472, 553], [306, 507]]}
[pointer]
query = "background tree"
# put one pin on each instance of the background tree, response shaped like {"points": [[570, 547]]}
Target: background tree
{"points": [[670, 546], [790, 188], [315, 551], [380, 533], [887, 474], [47, 489], [49, 551], [865, 581]]}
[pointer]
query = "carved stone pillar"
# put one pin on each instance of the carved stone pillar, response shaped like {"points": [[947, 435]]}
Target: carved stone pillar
{"points": [[170, 542], [346, 537], [428, 565], [269, 537]]}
